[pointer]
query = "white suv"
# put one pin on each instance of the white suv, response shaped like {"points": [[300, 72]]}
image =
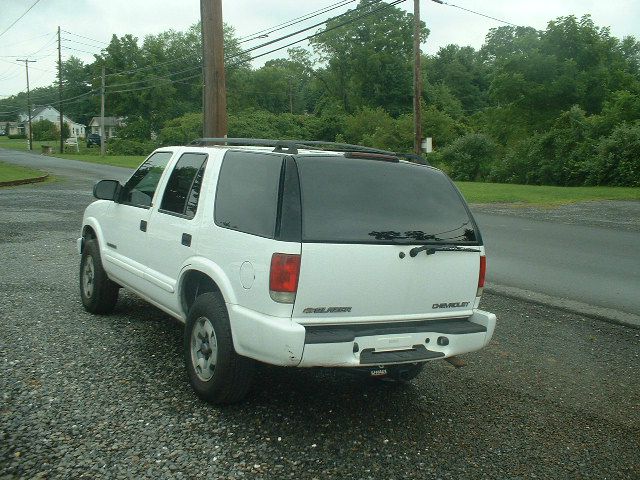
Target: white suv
{"points": [[293, 256]]}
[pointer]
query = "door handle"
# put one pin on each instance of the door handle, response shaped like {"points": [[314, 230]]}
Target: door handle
{"points": [[186, 239], [143, 225]]}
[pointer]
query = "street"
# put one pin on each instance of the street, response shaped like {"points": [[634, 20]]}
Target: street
{"points": [[555, 395]]}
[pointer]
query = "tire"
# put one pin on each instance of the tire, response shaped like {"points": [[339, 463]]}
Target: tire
{"points": [[216, 372], [405, 372], [98, 293]]}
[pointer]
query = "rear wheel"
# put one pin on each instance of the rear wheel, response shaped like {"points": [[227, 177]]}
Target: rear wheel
{"points": [[98, 293], [216, 372]]}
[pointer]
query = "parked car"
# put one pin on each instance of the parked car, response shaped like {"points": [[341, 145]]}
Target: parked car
{"points": [[93, 139], [293, 256]]}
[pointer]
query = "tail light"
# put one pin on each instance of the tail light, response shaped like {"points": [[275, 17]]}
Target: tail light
{"points": [[283, 277], [483, 271]]}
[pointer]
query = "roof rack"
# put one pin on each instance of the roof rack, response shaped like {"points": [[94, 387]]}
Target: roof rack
{"points": [[292, 146]]}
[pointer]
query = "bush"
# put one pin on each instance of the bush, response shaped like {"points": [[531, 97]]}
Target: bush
{"points": [[123, 146], [469, 158], [44, 130], [16, 137], [617, 161]]}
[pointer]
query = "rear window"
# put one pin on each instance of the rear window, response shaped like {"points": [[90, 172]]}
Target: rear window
{"points": [[365, 201]]}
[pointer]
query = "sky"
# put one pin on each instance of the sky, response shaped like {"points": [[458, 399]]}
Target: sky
{"points": [[34, 36]]}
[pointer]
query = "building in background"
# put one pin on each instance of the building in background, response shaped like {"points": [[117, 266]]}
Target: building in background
{"points": [[53, 115], [111, 125]]}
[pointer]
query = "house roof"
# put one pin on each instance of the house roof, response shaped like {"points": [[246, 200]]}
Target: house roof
{"points": [[108, 121], [39, 109]]}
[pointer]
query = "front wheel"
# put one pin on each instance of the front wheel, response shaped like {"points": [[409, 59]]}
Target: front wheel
{"points": [[98, 293], [216, 372]]}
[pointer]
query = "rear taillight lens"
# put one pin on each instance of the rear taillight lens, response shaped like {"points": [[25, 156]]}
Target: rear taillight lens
{"points": [[283, 277], [483, 271]]}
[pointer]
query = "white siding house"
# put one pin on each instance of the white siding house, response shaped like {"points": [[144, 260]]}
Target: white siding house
{"points": [[53, 115]]}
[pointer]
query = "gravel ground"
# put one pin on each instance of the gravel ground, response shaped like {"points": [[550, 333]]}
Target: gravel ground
{"points": [[609, 214], [555, 395]]}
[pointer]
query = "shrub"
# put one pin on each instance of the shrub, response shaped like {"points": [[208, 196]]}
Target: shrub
{"points": [[17, 137], [469, 158], [44, 130], [123, 146], [617, 161]]}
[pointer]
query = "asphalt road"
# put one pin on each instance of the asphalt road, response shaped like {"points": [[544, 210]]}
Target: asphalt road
{"points": [[590, 264], [555, 395], [594, 265]]}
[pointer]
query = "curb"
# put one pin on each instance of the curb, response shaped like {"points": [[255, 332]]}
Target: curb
{"points": [[24, 181], [572, 306]]}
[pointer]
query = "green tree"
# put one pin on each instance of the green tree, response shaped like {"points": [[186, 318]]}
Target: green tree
{"points": [[369, 61]]}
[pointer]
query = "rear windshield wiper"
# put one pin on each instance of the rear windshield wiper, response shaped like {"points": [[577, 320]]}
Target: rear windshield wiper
{"points": [[431, 249]]}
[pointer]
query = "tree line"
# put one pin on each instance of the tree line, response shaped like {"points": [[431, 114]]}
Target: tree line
{"points": [[558, 107]]}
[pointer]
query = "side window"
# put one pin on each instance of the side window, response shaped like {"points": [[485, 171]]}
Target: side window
{"points": [[183, 188], [247, 194], [139, 189]]}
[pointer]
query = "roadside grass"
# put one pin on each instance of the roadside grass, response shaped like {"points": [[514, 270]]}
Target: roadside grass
{"points": [[474, 192], [9, 173], [129, 161], [84, 154], [542, 195]]}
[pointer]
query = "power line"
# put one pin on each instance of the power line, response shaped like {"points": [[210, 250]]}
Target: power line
{"points": [[476, 13], [86, 38], [265, 32], [386, 5], [19, 18]]}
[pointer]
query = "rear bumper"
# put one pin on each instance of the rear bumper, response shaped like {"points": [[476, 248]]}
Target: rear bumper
{"points": [[279, 341]]}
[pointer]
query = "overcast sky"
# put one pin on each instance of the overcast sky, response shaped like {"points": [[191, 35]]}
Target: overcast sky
{"points": [[35, 34]]}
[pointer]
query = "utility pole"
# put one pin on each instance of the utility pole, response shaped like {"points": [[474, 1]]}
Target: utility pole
{"points": [[417, 81], [214, 96], [290, 95], [102, 139], [60, 89], [26, 66]]}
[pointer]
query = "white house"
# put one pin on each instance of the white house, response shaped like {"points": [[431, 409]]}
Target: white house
{"points": [[53, 115], [111, 125]]}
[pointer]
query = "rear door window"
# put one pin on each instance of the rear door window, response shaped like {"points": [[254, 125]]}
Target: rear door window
{"points": [[140, 188], [366, 201], [248, 191], [183, 187]]}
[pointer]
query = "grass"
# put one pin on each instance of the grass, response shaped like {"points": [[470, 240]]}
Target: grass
{"points": [[9, 173], [542, 195], [473, 192], [85, 154]]}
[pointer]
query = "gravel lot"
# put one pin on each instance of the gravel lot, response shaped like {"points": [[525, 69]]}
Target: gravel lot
{"points": [[554, 396]]}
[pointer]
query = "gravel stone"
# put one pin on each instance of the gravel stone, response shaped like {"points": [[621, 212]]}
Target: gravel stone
{"points": [[555, 395]]}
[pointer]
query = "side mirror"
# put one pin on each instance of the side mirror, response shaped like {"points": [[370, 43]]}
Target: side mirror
{"points": [[107, 190]]}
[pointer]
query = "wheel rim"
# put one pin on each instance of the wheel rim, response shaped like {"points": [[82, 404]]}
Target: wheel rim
{"points": [[88, 275], [204, 348]]}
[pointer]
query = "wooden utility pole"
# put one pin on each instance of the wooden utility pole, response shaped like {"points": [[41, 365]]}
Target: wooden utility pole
{"points": [[26, 66], [417, 81], [214, 95], [102, 139], [60, 90]]}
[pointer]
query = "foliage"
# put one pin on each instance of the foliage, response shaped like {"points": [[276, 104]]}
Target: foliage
{"points": [[558, 106], [124, 146], [469, 158], [617, 161], [44, 130]]}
